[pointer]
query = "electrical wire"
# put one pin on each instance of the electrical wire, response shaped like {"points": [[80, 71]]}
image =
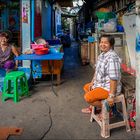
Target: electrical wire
{"points": [[53, 86], [51, 69], [51, 122]]}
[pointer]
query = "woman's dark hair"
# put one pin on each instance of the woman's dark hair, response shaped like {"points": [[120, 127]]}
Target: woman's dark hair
{"points": [[3, 34], [110, 39]]}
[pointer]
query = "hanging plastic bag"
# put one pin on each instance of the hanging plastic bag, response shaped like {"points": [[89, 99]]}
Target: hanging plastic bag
{"points": [[110, 26]]}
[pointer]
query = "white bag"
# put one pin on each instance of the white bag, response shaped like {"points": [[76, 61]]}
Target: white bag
{"points": [[110, 26]]}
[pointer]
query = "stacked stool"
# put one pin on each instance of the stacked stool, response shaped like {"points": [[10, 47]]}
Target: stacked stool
{"points": [[104, 122], [15, 85]]}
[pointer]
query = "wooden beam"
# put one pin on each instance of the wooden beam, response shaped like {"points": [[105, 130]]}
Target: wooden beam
{"points": [[65, 3], [68, 15], [101, 4]]}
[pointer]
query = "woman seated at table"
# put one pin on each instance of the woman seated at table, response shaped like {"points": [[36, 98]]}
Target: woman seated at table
{"points": [[7, 53]]}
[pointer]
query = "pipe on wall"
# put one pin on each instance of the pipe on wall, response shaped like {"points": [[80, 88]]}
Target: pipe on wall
{"points": [[32, 19]]}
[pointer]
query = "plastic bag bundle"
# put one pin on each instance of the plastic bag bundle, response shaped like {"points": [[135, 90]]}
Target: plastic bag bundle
{"points": [[110, 26]]}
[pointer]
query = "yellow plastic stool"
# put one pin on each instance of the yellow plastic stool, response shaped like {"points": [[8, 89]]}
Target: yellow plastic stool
{"points": [[15, 85]]}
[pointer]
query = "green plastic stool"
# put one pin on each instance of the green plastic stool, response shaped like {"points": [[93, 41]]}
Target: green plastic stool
{"points": [[15, 85]]}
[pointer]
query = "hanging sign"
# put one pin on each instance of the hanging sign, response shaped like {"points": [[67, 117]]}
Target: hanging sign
{"points": [[25, 12]]}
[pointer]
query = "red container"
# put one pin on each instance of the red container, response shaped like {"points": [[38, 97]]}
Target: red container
{"points": [[41, 51], [35, 46]]}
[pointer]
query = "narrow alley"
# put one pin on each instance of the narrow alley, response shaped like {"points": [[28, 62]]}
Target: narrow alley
{"points": [[49, 50], [44, 115]]}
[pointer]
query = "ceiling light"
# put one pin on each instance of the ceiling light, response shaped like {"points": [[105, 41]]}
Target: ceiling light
{"points": [[80, 2], [74, 3], [68, 8]]}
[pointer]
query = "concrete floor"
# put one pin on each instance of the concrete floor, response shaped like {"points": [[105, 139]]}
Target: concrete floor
{"points": [[44, 115]]}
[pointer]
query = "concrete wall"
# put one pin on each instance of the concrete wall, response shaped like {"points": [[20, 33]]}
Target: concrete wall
{"points": [[26, 28]]}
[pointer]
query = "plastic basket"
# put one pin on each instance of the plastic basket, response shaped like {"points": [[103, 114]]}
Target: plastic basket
{"points": [[35, 46], [41, 51], [55, 49], [105, 15]]}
